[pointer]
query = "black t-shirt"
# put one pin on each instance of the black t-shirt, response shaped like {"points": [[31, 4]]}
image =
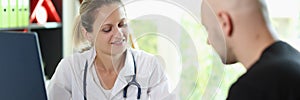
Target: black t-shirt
{"points": [[275, 76]]}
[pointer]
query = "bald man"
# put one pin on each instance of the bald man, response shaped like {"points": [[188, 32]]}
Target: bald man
{"points": [[240, 31]]}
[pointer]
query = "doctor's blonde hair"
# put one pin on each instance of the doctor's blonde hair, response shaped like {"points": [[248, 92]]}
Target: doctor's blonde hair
{"points": [[86, 19]]}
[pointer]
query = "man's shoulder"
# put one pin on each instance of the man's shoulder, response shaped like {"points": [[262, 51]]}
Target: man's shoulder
{"points": [[275, 75], [275, 80], [276, 68], [282, 64], [280, 57]]}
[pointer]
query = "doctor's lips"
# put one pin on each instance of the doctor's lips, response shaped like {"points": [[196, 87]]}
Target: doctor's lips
{"points": [[118, 42]]}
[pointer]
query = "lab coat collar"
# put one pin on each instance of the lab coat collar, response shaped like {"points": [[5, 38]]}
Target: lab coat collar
{"points": [[126, 71], [90, 57], [119, 86], [128, 68]]}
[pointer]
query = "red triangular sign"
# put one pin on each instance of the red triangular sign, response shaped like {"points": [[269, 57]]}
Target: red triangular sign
{"points": [[50, 8]]}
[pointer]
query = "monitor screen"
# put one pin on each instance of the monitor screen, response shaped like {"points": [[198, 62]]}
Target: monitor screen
{"points": [[21, 76]]}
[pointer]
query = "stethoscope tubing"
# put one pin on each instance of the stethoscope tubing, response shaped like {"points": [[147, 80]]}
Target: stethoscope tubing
{"points": [[132, 82]]}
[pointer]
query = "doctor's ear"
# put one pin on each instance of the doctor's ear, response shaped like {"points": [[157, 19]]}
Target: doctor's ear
{"points": [[226, 23], [87, 35]]}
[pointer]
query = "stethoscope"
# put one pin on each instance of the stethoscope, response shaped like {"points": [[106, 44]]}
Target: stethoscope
{"points": [[132, 82]]}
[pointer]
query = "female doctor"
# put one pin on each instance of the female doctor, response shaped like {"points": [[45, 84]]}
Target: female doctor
{"points": [[108, 70]]}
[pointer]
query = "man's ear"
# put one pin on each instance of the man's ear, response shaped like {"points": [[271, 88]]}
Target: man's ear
{"points": [[226, 23]]}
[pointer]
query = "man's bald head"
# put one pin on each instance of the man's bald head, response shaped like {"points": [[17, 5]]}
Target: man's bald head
{"points": [[233, 23], [236, 5]]}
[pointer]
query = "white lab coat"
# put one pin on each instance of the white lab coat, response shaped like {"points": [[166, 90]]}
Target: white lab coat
{"points": [[67, 81]]}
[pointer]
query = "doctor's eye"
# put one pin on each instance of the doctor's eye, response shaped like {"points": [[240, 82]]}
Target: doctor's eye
{"points": [[122, 24], [106, 29]]}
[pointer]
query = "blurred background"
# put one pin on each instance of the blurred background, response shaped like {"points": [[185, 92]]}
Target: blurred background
{"points": [[170, 29]]}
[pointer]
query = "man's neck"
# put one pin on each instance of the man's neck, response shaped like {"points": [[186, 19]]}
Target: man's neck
{"points": [[250, 51]]}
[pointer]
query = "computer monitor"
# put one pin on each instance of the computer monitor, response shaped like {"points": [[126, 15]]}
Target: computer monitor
{"points": [[21, 74]]}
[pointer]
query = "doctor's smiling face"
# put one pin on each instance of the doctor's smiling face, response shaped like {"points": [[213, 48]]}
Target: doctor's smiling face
{"points": [[109, 35], [111, 29]]}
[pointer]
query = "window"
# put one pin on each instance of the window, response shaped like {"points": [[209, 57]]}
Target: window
{"points": [[169, 30]]}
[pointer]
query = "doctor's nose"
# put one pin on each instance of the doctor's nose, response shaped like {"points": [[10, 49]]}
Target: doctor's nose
{"points": [[118, 33]]}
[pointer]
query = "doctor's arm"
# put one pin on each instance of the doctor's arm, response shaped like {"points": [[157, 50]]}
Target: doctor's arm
{"points": [[59, 87], [159, 86]]}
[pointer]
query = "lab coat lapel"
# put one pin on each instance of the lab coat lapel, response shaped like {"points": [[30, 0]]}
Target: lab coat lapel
{"points": [[124, 76], [119, 86], [90, 57]]}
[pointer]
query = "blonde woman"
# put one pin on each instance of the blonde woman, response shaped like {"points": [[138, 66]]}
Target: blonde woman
{"points": [[107, 69]]}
